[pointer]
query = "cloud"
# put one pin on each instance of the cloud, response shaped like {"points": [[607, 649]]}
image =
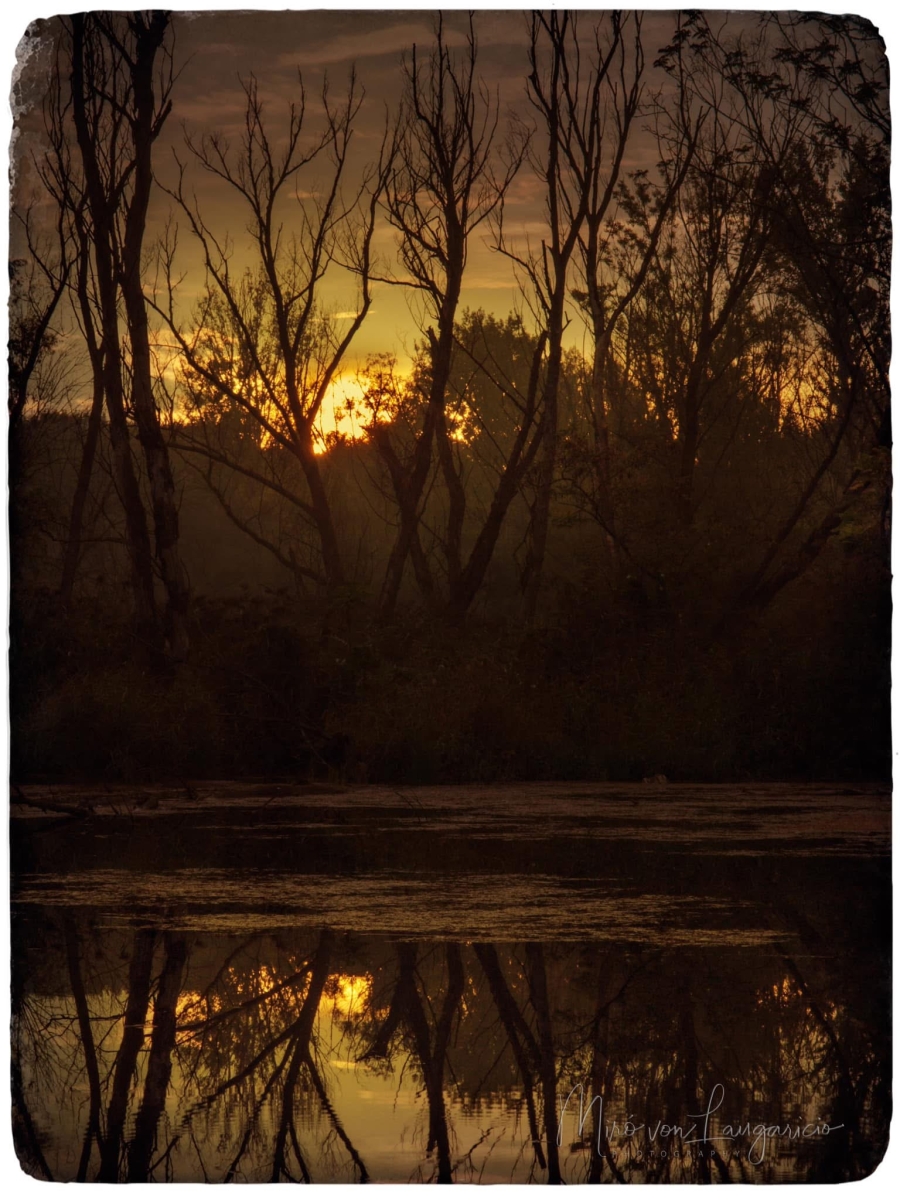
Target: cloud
{"points": [[368, 43]]}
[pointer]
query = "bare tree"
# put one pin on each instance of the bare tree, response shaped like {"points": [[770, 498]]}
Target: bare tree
{"points": [[623, 226], [511, 453], [84, 294], [65, 185], [491, 408], [262, 343], [147, 115], [568, 90], [117, 115], [722, 228], [446, 184]]}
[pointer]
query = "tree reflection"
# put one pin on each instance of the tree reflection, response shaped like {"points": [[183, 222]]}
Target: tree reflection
{"points": [[427, 1036], [157, 1054]]}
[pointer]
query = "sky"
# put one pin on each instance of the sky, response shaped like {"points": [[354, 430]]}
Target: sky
{"points": [[214, 51]]}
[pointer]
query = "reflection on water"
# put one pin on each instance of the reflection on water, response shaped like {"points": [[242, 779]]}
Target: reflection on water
{"points": [[182, 1043]]}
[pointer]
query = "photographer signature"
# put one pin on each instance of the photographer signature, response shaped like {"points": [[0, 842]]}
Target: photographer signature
{"points": [[699, 1130]]}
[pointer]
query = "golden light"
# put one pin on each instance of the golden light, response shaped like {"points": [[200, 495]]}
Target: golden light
{"points": [[346, 410], [342, 412], [346, 994]]}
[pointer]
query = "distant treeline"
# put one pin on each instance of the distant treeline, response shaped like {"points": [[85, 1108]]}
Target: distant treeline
{"points": [[663, 552]]}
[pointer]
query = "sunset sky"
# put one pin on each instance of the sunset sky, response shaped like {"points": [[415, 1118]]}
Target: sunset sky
{"points": [[215, 50]]}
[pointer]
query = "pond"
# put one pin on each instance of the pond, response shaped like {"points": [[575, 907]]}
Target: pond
{"points": [[533, 983]]}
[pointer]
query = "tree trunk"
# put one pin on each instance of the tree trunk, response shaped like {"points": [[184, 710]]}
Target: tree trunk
{"points": [[92, 1070], [521, 1039], [520, 459], [532, 572], [82, 485], [328, 538], [129, 1049], [433, 427], [103, 216], [156, 456], [442, 349], [408, 501], [159, 1062], [537, 986]]}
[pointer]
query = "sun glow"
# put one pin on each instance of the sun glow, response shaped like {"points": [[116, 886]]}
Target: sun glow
{"points": [[343, 414], [353, 402], [346, 994]]}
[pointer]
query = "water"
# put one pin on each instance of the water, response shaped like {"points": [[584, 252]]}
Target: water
{"points": [[518, 984]]}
